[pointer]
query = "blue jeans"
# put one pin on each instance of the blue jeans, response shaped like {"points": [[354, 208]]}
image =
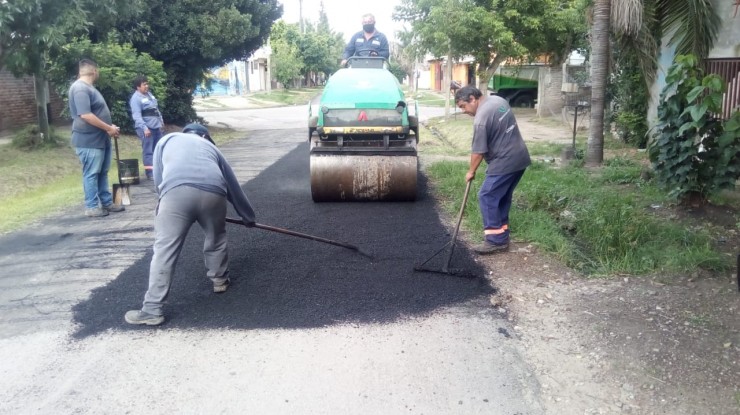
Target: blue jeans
{"points": [[147, 147], [95, 165], [494, 199]]}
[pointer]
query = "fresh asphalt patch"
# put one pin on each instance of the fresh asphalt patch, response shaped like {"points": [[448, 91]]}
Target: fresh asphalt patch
{"points": [[280, 281]]}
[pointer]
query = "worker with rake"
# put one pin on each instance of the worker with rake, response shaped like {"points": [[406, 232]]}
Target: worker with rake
{"points": [[194, 182], [497, 140]]}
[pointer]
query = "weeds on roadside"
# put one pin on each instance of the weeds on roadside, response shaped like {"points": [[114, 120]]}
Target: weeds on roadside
{"points": [[597, 223], [29, 138]]}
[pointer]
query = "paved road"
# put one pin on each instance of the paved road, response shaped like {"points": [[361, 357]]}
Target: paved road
{"points": [[307, 328]]}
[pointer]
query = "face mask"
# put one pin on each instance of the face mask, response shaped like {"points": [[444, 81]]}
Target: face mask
{"points": [[368, 28]]}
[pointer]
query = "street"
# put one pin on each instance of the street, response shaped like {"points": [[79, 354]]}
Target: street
{"points": [[305, 328]]}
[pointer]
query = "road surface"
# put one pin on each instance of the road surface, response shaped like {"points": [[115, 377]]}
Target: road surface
{"points": [[306, 328]]}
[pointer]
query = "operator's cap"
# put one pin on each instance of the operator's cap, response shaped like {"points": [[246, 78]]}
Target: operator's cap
{"points": [[198, 129]]}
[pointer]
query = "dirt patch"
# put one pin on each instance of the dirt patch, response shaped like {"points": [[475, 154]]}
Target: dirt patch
{"points": [[661, 344], [653, 345]]}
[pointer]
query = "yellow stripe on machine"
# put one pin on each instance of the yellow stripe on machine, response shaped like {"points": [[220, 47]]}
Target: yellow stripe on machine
{"points": [[363, 130]]}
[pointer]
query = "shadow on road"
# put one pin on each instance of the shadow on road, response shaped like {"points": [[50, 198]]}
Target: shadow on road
{"points": [[280, 281]]}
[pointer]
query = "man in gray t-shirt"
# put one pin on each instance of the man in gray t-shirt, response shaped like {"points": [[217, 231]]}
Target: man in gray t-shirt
{"points": [[497, 140], [92, 128]]}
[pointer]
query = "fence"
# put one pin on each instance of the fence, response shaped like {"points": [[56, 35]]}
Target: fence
{"points": [[729, 70]]}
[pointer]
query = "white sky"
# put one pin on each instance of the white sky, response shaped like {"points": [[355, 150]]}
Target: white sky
{"points": [[344, 15]]}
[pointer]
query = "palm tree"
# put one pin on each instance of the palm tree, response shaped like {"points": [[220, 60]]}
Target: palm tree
{"points": [[693, 26]]}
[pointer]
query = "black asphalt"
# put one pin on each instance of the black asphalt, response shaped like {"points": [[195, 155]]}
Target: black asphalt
{"points": [[280, 281]]}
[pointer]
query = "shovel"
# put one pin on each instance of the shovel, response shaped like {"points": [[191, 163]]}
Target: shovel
{"points": [[120, 190], [446, 267]]}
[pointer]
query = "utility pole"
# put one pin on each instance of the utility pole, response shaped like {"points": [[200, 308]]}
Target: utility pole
{"points": [[300, 16]]}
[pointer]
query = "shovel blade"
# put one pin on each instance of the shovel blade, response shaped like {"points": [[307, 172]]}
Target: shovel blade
{"points": [[125, 197], [117, 194]]}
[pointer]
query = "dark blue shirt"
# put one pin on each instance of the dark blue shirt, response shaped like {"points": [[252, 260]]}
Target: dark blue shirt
{"points": [[359, 46]]}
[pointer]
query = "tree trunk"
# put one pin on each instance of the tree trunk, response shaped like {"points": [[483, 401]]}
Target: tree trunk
{"points": [[41, 88], [599, 72], [488, 73]]}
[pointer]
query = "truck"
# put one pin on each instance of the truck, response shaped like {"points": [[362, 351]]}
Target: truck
{"points": [[516, 83]]}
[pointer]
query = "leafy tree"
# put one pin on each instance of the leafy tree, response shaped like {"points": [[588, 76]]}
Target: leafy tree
{"points": [[31, 33], [694, 154], [397, 70], [494, 30], [286, 63], [286, 58], [406, 55], [320, 51], [191, 36], [640, 25], [118, 66]]}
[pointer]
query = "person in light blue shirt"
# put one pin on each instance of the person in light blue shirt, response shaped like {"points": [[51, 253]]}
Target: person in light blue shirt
{"points": [[194, 182], [147, 120]]}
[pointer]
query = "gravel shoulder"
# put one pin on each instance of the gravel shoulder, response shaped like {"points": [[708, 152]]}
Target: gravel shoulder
{"points": [[660, 344]]}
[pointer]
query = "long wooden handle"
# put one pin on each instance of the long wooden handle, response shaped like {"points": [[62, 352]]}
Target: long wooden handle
{"points": [[294, 233]]}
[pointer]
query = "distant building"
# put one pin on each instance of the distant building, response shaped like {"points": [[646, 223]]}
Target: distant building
{"points": [[250, 75]]}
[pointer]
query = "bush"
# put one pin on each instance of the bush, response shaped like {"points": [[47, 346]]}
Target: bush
{"points": [[629, 102], [694, 153], [118, 66]]}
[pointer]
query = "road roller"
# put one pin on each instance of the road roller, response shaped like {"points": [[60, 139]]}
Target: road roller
{"points": [[363, 140]]}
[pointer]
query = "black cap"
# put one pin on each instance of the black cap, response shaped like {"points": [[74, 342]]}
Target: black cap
{"points": [[197, 129]]}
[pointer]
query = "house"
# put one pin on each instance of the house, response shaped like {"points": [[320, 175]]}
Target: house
{"points": [[252, 74]]}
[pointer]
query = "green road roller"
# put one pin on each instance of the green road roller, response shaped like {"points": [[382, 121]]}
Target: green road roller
{"points": [[363, 139]]}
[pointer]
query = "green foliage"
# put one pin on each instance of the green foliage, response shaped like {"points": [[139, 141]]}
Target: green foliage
{"points": [[33, 31], [28, 138], [693, 153], [118, 66], [630, 98], [295, 54], [320, 50], [190, 37], [592, 225], [397, 71]]}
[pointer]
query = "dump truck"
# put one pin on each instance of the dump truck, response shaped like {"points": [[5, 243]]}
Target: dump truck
{"points": [[363, 140], [517, 84]]}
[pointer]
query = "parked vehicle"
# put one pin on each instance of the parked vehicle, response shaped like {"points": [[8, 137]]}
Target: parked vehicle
{"points": [[518, 84]]}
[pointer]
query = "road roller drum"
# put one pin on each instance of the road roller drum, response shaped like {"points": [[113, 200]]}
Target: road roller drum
{"points": [[340, 178]]}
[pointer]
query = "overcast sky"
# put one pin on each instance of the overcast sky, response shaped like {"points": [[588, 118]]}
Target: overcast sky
{"points": [[345, 16]]}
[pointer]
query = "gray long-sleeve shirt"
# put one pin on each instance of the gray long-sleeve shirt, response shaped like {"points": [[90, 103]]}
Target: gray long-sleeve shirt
{"points": [[182, 159]]}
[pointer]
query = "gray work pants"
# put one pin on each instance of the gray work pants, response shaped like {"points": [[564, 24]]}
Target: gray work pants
{"points": [[178, 209]]}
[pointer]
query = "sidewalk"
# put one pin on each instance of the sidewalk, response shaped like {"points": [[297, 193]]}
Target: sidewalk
{"points": [[229, 102]]}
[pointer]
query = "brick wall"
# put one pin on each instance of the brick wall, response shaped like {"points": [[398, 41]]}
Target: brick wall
{"points": [[18, 103]]}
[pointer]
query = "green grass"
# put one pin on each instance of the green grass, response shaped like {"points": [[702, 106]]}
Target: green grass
{"points": [[288, 96], [598, 221], [588, 222], [39, 183], [431, 99]]}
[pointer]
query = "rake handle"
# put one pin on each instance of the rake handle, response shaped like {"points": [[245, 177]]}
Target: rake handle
{"points": [[457, 227], [293, 233]]}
